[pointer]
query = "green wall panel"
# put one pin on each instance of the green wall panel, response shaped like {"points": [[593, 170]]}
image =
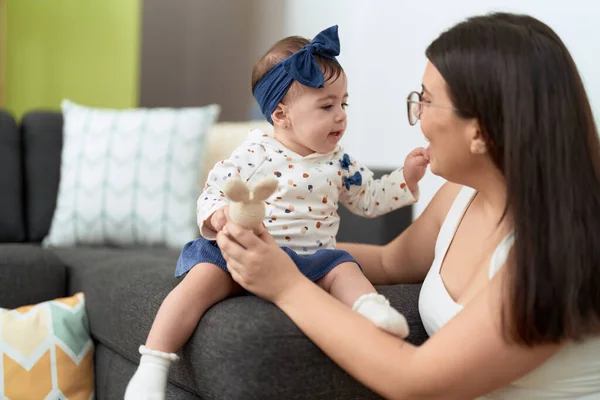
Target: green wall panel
{"points": [[84, 50]]}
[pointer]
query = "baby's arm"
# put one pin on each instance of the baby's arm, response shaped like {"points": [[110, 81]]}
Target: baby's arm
{"points": [[369, 197], [243, 162]]}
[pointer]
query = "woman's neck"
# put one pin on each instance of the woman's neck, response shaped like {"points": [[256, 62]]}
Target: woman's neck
{"points": [[491, 190]]}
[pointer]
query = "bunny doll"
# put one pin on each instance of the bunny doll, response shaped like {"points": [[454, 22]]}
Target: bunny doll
{"points": [[246, 208]]}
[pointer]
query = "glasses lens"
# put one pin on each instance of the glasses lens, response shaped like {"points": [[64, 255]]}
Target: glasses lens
{"points": [[414, 108]]}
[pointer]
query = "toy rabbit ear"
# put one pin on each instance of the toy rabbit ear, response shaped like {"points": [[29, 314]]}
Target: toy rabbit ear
{"points": [[236, 190], [264, 188]]}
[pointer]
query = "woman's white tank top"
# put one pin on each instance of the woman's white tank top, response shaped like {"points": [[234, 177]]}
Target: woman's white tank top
{"points": [[572, 373]]}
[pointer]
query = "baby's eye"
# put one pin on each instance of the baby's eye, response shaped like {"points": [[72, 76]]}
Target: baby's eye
{"points": [[344, 105], [327, 107]]}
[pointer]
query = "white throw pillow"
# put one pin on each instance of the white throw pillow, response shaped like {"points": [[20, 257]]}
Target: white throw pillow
{"points": [[129, 177]]}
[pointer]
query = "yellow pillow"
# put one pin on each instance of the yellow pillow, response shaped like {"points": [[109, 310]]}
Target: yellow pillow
{"points": [[46, 349], [222, 140]]}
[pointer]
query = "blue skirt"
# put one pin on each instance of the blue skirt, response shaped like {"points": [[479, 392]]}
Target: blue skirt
{"points": [[313, 266]]}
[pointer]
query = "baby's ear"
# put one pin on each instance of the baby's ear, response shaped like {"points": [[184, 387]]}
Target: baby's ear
{"points": [[264, 188], [280, 116], [236, 190]]}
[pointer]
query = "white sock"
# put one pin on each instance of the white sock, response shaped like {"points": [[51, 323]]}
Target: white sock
{"points": [[150, 380], [377, 308]]}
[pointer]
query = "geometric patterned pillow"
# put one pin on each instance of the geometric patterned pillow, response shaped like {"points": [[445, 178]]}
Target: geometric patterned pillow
{"points": [[46, 351], [129, 177]]}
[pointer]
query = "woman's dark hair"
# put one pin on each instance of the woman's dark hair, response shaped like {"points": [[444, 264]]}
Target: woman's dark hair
{"points": [[516, 77], [285, 48]]}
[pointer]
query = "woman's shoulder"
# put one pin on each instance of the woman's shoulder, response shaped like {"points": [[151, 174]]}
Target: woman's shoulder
{"points": [[442, 201], [448, 192]]}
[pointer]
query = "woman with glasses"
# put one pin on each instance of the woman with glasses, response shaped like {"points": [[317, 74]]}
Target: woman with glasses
{"points": [[508, 250]]}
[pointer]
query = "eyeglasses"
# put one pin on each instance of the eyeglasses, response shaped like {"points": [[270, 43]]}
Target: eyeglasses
{"points": [[415, 104]]}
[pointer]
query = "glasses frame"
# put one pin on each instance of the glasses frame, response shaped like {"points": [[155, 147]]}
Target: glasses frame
{"points": [[420, 104]]}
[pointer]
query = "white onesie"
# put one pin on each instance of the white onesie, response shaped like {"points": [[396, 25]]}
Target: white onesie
{"points": [[302, 213]]}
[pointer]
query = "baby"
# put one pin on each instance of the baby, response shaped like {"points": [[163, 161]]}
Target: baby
{"points": [[302, 91]]}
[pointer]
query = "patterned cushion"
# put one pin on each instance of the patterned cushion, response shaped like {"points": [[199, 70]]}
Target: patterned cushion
{"points": [[46, 351], [129, 177]]}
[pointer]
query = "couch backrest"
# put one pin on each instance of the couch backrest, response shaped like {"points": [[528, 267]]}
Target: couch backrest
{"points": [[30, 172], [12, 222], [42, 146]]}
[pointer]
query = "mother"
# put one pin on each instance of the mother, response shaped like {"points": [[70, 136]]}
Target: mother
{"points": [[508, 250]]}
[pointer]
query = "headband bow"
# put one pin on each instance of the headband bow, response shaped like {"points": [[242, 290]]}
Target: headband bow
{"points": [[301, 66]]}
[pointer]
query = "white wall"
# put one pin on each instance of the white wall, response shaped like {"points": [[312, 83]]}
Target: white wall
{"points": [[383, 44]]}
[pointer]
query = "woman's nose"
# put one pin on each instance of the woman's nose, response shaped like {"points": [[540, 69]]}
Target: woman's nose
{"points": [[416, 111]]}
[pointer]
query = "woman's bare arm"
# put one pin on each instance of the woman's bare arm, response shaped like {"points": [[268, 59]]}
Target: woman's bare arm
{"points": [[467, 358], [407, 258]]}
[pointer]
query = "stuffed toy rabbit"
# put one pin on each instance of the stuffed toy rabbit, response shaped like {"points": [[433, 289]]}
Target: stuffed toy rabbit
{"points": [[247, 207]]}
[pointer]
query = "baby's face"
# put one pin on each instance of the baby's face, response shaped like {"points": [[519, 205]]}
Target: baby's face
{"points": [[318, 117]]}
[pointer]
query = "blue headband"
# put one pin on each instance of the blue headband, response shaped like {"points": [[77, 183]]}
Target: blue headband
{"points": [[301, 66]]}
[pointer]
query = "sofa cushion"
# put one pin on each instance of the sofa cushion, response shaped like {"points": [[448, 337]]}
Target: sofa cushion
{"points": [[29, 275], [244, 347], [12, 225], [129, 177]]}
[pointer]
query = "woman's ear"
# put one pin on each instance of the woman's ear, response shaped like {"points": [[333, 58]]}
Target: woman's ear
{"points": [[280, 116], [478, 146], [478, 139]]}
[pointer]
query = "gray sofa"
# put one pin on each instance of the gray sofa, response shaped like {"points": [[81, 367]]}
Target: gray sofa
{"points": [[244, 347]]}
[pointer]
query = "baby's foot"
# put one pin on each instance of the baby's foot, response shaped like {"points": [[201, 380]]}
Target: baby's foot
{"points": [[377, 308], [150, 380]]}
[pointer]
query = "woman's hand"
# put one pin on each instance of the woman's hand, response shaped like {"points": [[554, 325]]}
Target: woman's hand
{"points": [[257, 263]]}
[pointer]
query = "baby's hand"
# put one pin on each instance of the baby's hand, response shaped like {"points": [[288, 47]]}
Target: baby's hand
{"points": [[415, 166], [218, 220]]}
